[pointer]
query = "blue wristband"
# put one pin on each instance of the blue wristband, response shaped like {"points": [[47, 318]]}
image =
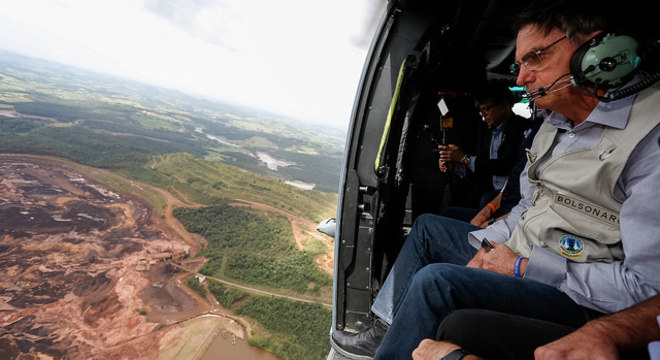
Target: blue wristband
{"points": [[516, 267]]}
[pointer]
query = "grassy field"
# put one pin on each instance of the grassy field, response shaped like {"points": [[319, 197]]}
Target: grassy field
{"points": [[208, 182]]}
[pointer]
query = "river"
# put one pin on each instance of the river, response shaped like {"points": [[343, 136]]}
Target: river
{"points": [[228, 347], [271, 162]]}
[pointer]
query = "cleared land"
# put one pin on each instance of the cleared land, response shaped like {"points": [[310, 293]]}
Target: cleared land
{"points": [[84, 273]]}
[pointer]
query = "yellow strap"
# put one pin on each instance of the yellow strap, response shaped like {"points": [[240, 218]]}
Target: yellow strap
{"points": [[390, 114]]}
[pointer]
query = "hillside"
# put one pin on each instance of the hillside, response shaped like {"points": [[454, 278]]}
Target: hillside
{"points": [[238, 179], [47, 108]]}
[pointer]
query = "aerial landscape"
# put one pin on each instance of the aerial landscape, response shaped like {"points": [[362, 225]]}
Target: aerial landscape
{"points": [[144, 223]]}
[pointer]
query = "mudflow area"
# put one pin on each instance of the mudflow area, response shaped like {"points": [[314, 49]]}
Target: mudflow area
{"points": [[83, 270]]}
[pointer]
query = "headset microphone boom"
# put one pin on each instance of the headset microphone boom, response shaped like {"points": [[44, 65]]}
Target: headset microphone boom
{"points": [[563, 81]]}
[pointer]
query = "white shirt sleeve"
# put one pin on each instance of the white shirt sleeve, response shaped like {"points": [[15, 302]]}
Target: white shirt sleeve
{"points": [[500, 231]]}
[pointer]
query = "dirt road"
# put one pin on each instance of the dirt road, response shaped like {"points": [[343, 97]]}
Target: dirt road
{"points": [[196, 241], [251, 289]]}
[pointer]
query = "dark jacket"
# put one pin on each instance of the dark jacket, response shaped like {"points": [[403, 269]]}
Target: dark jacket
{"points": [[507, 154]]}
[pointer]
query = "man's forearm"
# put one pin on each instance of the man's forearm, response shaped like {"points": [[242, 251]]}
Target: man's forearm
{"points": [[631, 328], [604, 338]]}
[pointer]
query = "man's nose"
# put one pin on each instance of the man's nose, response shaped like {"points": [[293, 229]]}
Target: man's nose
{"points": [[524, 76]]}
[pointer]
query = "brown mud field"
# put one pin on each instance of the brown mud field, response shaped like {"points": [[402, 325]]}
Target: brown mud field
{"points": [[83, 271]]}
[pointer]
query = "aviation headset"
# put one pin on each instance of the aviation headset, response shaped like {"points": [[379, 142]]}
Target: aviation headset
{"points": [[608, 61]]}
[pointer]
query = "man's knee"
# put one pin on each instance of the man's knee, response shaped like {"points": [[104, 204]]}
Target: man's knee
{"points": [[424, 231], [433, 275], [424, 220], [461, 324], [432, 229], [476, 331]]}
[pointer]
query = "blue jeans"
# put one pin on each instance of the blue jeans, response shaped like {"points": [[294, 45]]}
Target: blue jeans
{"points": [[429, 280]]}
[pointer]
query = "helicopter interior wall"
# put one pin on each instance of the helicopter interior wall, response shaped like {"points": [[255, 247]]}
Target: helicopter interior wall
{"points": [[354, 279], [376, 209], [422, 187]]}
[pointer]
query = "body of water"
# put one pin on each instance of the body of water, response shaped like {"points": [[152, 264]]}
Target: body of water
{"points": [[229, 347]]}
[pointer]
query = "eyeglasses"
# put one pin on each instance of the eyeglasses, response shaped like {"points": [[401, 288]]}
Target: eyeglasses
{"points": [[532, 60], [486, 109]]}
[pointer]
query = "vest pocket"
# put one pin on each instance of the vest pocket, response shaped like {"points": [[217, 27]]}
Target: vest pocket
{"points": [[574, 233]]}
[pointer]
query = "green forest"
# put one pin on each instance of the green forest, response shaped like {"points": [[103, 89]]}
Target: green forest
{"points": [[293, 330], [254, 249], [258, 249]]}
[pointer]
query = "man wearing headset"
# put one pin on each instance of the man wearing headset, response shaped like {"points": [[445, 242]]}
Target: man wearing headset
{"points": [[582, 242]]}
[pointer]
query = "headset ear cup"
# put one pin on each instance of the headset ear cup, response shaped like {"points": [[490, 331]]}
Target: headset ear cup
{"points": [[605, 59], [579, 69], [576, 62]]}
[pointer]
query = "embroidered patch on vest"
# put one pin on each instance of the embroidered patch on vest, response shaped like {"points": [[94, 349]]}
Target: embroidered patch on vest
{"points": [[571, 246], [594, 211]]}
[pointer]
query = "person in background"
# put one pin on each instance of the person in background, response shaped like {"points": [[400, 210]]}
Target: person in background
{"points": [[497, 147], [499, 207]]}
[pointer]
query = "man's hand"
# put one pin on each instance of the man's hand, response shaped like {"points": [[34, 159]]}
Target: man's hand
{"points": [[442, 165], [433, 350], [450, 153], [481, 219], [601, 338], [500, 259], [585, 343]]}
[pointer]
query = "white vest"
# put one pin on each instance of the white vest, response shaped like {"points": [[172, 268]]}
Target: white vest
{"points": [[574, 212]]}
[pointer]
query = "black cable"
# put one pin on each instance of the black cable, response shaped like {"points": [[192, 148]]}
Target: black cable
{"points": [[633, 89]]}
